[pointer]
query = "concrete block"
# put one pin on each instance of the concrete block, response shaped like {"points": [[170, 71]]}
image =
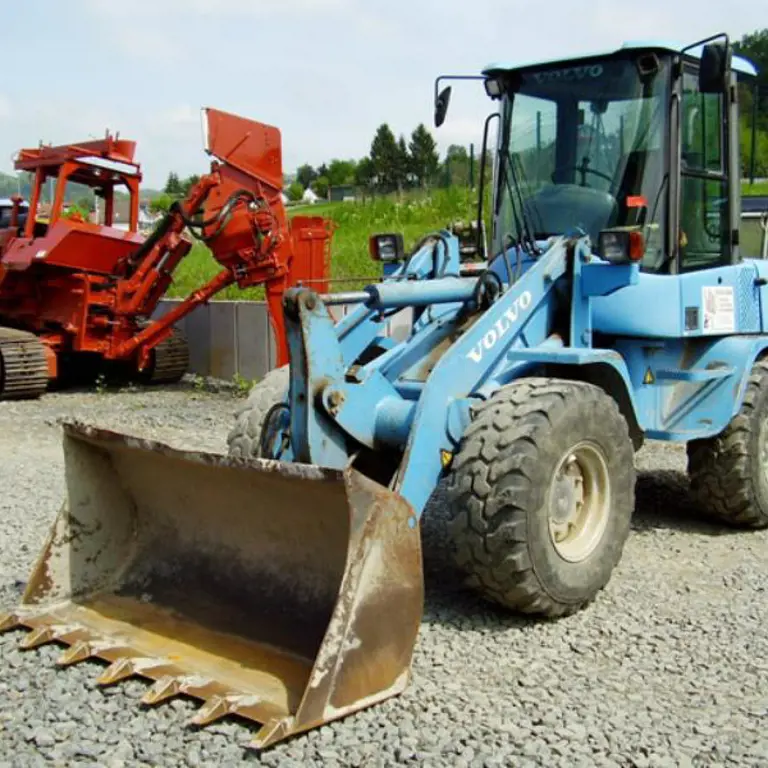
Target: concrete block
{"points": [[253, 340], [223, 350], [198, 331]]}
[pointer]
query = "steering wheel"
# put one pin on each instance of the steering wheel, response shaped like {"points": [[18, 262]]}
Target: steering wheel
{"points": [[581, 169]]}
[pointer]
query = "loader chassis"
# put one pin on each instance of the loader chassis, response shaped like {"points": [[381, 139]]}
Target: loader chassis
{"points": [[612, 304]]}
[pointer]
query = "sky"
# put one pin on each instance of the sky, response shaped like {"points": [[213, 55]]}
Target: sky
{"points": [[326, 72]]}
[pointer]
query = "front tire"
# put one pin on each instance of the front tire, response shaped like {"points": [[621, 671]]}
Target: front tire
{"points": [[729, 472], [244, 437], [541, 495]]}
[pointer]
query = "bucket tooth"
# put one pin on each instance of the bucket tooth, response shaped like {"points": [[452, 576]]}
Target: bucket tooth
{"points": [[37, 637], [213, 709], [126, 666], [8, 622], [49, 633], [118, 670], [165, 688], [76, 653], [271, 732]]}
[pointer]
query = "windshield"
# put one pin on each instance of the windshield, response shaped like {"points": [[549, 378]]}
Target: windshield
{"points": [[582, 146]]}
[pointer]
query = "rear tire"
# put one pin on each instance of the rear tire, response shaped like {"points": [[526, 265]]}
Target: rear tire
{"points": [[244, 437], [541, 494], [729, 472]]}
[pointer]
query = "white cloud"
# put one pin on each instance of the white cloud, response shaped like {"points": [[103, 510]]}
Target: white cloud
{"points": [[171, 119]]}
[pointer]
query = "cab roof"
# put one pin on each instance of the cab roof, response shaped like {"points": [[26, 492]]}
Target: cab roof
{"points": [[738, 63]]}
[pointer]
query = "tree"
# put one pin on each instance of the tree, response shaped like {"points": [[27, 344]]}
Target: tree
{"points": [[456, 166], [161, 203], [755, 48], [425, 160], [402, 165], [305, 175], [320, 186], [173, 185], [364, 173], [296, 191], [189, 182], [384, 157], [341, 172]]}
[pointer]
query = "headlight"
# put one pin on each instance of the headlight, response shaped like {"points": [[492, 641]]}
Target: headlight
{"points": [[387, 248], [493, 87], [621, 246]]}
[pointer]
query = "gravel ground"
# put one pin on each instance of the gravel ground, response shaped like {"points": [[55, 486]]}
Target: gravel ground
{"points": [[668, 668]]}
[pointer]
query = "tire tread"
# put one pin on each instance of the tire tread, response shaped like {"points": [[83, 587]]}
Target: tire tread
{"points": [[243, 438], [722, 469], [489, 489]]}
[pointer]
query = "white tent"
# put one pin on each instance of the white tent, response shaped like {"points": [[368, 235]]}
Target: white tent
{"points": [[309, 197]]}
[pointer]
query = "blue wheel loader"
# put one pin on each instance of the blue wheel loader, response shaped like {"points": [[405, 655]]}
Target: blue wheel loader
{"points": [[602, 299]]}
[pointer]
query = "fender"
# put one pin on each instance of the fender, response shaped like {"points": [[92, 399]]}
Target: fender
{"points": [[757, 351]]}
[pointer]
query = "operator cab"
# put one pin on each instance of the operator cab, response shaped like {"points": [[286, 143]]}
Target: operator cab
{"points": [[592, 144], [104, 165]]}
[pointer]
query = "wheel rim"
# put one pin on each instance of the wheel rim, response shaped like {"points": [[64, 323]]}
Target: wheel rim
{"points": [[579, 502]]}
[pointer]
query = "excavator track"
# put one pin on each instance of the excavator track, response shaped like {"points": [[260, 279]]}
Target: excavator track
{"points": [[23, 365], [170, 359]]}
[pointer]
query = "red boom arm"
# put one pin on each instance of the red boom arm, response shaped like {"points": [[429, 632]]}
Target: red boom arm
{"points": [[237, 211]]}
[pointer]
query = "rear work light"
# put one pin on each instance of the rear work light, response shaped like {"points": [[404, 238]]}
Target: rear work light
{"points": [[621, 246]]}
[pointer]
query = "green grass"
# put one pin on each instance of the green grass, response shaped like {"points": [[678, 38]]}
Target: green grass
{"points": [[417, 214], [759, 188], [351, 266]]}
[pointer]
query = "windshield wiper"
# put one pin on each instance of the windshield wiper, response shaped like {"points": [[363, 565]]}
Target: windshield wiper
{"points": [[525, 228], [538, 224]]}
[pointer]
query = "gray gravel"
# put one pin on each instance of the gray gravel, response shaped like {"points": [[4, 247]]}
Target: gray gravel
{"points": [[668, 668]]}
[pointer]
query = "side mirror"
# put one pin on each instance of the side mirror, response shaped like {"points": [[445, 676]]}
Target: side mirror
{"points": [[441, 105], [713, 70]]}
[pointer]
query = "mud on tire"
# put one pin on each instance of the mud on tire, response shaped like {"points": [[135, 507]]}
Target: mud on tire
{"points": [[727, 472], [502, 486], [243, 438]]}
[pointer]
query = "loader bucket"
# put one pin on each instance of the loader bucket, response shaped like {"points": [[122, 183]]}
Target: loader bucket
{"points": [[287, 594]]}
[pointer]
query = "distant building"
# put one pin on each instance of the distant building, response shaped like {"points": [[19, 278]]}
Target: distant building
{"points": [[343, 193]]}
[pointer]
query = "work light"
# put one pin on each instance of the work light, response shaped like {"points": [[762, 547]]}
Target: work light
{"points": [[621, 246], [387, 247]]}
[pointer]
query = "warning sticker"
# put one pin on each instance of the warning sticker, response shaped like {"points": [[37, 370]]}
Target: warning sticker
{"points": [[648, 378], [718, 309]]}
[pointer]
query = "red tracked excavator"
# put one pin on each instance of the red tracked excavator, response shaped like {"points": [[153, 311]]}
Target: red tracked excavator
{"points": [[73, 292]]}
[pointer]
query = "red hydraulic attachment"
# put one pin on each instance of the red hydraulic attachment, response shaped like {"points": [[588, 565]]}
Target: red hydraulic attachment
{"points": [[237, 210], [78, 287]]}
